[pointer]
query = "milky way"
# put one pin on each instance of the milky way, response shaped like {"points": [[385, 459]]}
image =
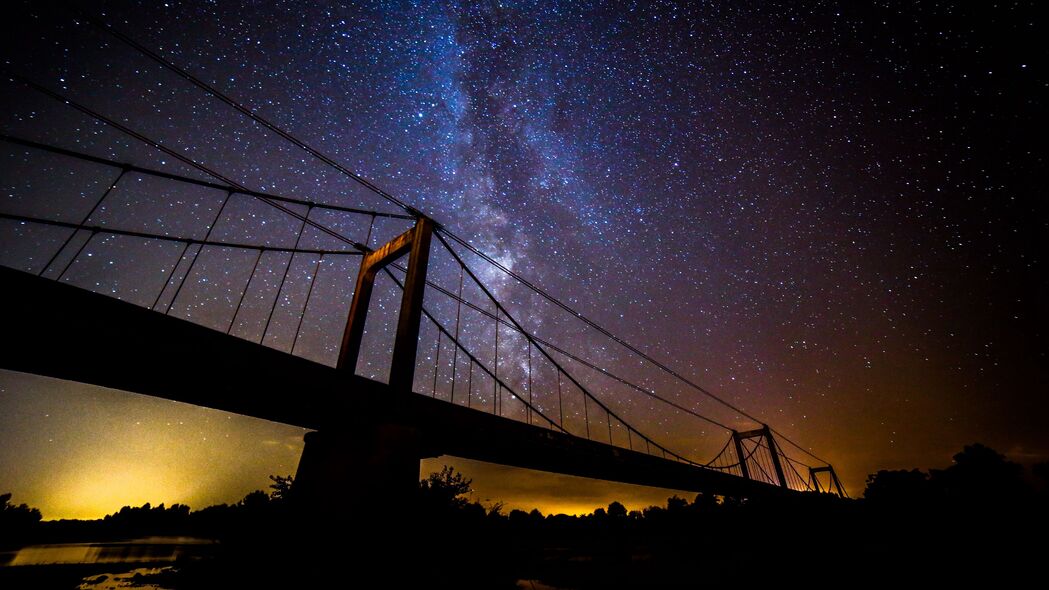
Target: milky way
{"points": [[825, 214]]}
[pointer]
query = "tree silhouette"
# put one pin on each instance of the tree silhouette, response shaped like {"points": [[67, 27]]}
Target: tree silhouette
{"points": [[896, 487], [979, 474], [705, 502], [447, 488], [16, 520], [676, 504], [11, 513], [255, 500], [281, 487]]}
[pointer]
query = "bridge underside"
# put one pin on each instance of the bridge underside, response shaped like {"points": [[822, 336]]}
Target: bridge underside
{"points": [[61, 331]]}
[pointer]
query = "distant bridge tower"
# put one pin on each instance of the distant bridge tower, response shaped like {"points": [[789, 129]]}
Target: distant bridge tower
{"points": [[833, 481], [761, 433]]}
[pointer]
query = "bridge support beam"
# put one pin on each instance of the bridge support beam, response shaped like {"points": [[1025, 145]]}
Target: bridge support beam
{"points": [[352, 474]]}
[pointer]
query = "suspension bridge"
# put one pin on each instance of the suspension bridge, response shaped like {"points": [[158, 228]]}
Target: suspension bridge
{"points": [[491, 390]]}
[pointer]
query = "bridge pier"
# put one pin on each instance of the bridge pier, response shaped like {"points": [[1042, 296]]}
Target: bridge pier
{"points": [[359, 474]]}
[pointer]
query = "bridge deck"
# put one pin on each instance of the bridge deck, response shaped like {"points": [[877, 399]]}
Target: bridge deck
{"points": [[61, 331]]}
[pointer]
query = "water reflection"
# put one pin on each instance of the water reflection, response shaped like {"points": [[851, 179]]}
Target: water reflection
{"points": [[135, 578], [148, 550]]}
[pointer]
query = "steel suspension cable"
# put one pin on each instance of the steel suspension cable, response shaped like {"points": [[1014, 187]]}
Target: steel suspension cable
{"points": [[246, 111], [128, 167], [169, 238], [239, 188]]}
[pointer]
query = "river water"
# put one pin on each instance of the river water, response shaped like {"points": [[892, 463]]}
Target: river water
{"points": [[122, 555], [146, 550]]}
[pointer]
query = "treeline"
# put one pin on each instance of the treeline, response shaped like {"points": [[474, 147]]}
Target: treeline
{"points": [[980, 479], [257, 511], [975, 519]]}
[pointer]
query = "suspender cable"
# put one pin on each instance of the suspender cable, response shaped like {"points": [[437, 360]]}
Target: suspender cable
{"points": [[171, 276], [280, 287], [446, 333], [496, 392], [560, 404], [244, 293], [436, 364], [368, 238], [455, 349], [90, 237], [499, 307], [305, 306], [529, 412], [83, 221], [211, 228]]}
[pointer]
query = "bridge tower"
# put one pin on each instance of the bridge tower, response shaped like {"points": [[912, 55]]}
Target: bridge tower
{"points": [[760, 433], [834, 481], [372, 463]]}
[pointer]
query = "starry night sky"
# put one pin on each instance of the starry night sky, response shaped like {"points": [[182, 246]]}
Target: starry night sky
{"points": [[827, 214]]}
